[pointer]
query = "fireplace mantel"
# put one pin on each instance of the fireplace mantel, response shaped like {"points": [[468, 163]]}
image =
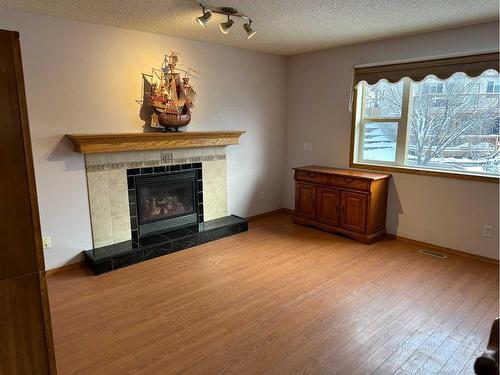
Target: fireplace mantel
{"points": [[116, 142]]}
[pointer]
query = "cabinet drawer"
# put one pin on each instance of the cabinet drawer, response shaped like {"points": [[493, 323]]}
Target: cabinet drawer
{"points": [[349, 183], [316, 178]]}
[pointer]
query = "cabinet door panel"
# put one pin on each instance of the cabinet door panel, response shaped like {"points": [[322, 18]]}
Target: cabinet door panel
{"points": [[353, 211], [305, 201], [327, 208]]}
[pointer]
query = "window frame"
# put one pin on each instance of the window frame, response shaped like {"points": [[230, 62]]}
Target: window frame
{"points": [[495, 87], [358, 122], [402, 121]]}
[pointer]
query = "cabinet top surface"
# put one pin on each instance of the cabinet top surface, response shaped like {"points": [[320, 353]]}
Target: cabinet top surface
{"points": [[343, 172]]}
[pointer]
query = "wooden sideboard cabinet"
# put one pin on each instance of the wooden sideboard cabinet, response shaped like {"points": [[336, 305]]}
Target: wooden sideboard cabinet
{"points": [[343, 201]]}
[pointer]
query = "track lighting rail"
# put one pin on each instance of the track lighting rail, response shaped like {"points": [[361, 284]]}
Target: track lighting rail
{"points": [[224, 26]]}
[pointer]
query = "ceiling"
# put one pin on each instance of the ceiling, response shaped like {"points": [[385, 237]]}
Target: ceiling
{"points": [[284, 27]]}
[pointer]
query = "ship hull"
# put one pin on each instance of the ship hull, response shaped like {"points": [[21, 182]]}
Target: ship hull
{"points": [[174, 120]]}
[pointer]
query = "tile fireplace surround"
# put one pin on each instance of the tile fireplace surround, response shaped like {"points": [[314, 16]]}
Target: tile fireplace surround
{"points": [[108, 191]]}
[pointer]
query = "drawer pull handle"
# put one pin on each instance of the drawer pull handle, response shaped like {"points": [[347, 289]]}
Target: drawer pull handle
{"points": [[348, 180], [311, 175]]}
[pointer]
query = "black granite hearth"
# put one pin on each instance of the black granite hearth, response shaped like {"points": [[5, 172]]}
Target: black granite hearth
{"points": [[109, 258]]}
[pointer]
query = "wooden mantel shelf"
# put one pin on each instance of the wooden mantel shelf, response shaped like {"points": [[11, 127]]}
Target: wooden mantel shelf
{"points": [[115, 142]]}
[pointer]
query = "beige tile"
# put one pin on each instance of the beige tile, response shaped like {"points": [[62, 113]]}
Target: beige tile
{"points": [[220, 194], [167, 157], [195, 152], [121, 228], [116, 157], [107, 242], [117, 193], [219, 150], [119, 205], [151, 155], [97, 182], [134, 156], [214, 169], [102, 230], [209, 207], [117, 180], [95, 159], [214, 198], [207, 151], [98, 189], [180, 156], [209, 211]]}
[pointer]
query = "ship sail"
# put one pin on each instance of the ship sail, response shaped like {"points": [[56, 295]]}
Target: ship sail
{"points": [[181, 101]]}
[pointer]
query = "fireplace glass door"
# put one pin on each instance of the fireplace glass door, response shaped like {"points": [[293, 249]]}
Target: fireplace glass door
{"points": [[165, 202]]}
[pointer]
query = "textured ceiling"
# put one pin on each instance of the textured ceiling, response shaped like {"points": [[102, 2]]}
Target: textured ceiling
{"points": [[283, 27]]}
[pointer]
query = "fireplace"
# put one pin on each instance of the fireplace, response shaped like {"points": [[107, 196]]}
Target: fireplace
{"points": [[163, 200], [168, 209]]}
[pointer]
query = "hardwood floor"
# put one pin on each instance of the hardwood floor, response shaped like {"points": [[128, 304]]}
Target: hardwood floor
{"points": [[280, 299]]}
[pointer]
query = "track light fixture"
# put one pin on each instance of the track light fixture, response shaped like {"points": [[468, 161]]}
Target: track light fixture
{"points": [[225, 26], [202, 20], [248, 28]]}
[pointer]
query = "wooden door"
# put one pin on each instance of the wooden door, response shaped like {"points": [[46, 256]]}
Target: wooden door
{"points": [[26, 345], [327, 206], [305, 201], [353, 211]]}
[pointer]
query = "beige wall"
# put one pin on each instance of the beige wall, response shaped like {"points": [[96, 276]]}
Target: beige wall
{"points": [[441, 211], [83, 77]]}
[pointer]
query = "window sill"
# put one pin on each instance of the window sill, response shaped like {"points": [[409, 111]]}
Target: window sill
{"points": [[426, 172]]}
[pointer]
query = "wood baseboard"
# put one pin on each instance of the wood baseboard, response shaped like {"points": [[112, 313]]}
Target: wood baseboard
{"points": [[270, 213], [442, 249], [65, 268]]}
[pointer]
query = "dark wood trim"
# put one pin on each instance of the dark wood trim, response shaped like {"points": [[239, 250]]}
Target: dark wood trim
{"points": [[443, 249], [35, 216], [28, 153], [426, 172], [27, 345], [472, 65], [268, 213]]}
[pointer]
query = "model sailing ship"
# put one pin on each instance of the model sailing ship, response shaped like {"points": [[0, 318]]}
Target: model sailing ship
{"points": [[170, 94]]}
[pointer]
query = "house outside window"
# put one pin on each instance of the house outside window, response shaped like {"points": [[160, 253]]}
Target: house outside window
{"points": [[436, 88], [493, 87]]}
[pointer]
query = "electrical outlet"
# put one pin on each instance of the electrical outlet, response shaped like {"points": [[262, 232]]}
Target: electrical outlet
{"points": [[47, 242], [487, 231], [307, 146]]}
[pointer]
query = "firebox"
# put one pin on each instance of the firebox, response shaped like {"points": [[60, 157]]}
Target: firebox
{"points": [[164, 201]]}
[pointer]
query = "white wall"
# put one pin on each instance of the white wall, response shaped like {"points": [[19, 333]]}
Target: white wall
{"points": [[83, 77], [441, 211]]}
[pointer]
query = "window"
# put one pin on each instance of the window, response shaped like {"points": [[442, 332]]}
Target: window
{"points": [[493, 87], [436, 88], [449, 125]]}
